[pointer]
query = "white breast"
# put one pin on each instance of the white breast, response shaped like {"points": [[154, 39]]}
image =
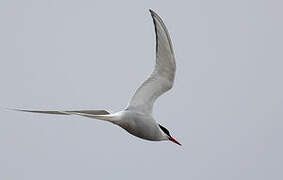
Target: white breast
{"points": [[140, 125]]}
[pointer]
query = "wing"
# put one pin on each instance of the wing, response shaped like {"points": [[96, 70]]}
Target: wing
{"points": [[87, 112], [163, 75], [95, 114]]}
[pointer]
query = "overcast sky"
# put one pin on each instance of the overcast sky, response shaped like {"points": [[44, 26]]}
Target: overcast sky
{"points": [[226, 107]]}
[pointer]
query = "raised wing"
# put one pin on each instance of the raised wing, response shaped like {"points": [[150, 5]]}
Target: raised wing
{"points": [[87, 112], [163, 75]]}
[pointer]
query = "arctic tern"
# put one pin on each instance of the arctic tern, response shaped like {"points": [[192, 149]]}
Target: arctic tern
{"points": [[137, 117]]}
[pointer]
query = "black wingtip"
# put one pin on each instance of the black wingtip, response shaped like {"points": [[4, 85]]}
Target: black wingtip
{"points": [[152, 12]]}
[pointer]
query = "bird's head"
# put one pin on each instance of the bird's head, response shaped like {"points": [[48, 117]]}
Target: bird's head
{"points": [[167, 135]]}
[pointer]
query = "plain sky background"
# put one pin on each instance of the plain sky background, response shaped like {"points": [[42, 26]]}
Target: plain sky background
{"points": [[226, 107]]}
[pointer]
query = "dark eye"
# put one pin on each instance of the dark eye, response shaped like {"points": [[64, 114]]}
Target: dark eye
{"points": [[165, 130]]}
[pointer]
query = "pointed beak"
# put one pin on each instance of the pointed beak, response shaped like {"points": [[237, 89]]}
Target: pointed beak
{"points": [[174, 141]]}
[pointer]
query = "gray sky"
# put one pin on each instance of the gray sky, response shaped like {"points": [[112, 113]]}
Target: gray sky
{"points": [[225, 108]]}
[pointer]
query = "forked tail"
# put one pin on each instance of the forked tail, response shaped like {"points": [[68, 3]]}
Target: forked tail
{"points": [[107, 117]]}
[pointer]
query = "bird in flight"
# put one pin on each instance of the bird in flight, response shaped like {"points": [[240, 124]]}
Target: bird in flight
{"points": [[137, 118]]}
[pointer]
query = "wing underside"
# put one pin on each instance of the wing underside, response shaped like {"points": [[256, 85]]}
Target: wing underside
{"points": [[163, 75]]}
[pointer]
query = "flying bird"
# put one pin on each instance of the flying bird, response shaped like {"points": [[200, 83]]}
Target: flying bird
{"points": [[137, 117]]}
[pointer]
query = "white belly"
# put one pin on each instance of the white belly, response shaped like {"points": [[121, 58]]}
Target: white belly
{"points": [[139, 125]]}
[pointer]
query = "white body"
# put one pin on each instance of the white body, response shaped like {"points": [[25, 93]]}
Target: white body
{"points": [[136, 123]]}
